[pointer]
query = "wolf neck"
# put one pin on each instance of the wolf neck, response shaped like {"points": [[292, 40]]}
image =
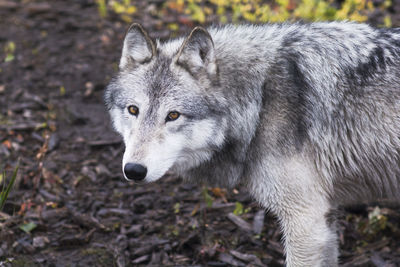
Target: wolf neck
{"points": [[243, 64]]}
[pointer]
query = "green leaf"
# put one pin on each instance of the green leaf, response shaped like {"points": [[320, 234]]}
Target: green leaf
{"points": [[9, 57], [42, 125], [28, 227], [238, 209]]}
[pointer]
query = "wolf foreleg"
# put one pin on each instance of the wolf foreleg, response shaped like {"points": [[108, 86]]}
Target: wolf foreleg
{"points": [[308, 237], [292, 190]]}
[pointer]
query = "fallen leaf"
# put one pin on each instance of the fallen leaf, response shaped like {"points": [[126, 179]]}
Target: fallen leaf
{"points": [[28, 227]]}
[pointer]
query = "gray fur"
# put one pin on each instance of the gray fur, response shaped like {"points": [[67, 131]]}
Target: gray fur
{"points": [[306, 115]]}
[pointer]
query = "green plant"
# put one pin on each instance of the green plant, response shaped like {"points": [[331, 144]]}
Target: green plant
{"points": [[124, 8], [102, 8], [28, 227], [9, 49], [238, 209], [177, 207], [7, 188], [208, 199], [275, 11], [377, 222], [255, 11]]}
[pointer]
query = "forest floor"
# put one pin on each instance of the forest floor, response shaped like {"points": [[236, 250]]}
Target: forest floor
{"points": [[72, 207]]}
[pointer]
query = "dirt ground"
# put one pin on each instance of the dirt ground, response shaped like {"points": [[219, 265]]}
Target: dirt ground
{"points": [[71, 205]]}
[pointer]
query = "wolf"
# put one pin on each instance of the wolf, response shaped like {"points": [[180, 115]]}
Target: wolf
{"points": [[305, 115]]}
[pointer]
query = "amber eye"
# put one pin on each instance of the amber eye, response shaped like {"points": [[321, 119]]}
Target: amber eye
{"points": [[133, 110], [173, 115]]}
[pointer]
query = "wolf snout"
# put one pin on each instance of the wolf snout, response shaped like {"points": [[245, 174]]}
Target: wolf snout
{"points": [[134, 171]]}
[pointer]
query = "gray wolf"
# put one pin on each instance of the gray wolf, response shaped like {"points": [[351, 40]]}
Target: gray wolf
{"points": [[307, 116]]}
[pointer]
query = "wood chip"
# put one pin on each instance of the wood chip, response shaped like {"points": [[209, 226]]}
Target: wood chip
{"points": [[135, 229], [377, 260], [104, 143], [54, 214], [258, 222], [242, 224], [141, 259], [143, 250], [247, 257], [37, 8], [22, 126], [10, 5], [87, 221], [4, 215], [227, 258]]}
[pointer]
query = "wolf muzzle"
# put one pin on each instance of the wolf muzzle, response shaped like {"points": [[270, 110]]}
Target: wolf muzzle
{"points": [[135, 171]]}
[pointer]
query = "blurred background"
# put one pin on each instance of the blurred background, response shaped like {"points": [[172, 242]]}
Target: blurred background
{"points": [[69, 204]]}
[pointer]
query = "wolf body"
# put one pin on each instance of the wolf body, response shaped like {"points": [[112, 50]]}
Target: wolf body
{"points": [[307, 116]]}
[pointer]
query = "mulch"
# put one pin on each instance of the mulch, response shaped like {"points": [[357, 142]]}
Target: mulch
{"points": [[72, 207]]}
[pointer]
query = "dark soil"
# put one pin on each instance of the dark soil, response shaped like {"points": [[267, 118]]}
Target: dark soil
{"points": [[70, 188]]}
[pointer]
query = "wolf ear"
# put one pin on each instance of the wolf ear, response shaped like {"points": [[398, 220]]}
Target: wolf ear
{"points": [[138, 47], [197, 53]]}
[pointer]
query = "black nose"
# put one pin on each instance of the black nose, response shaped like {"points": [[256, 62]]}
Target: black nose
{"points": [[135, 171]]}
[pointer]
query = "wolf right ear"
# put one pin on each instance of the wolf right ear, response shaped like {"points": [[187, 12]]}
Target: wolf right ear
{"points": [[197, 53], [138, 47]]}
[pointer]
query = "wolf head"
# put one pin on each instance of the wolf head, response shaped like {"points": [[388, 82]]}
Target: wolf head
{"points": [[165, 103]]}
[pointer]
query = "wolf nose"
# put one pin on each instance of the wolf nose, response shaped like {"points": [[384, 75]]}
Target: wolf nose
{"points": [[135, 171]]}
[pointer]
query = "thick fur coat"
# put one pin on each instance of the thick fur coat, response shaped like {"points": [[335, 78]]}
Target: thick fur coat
{"points": [[307, 116]]}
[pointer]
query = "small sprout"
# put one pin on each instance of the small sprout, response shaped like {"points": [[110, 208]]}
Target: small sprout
{"points": [[177, 207], [175, 231], [62, 90], [116, 226], [9, 49], [207, 198], [238, 209], [6, 189]]}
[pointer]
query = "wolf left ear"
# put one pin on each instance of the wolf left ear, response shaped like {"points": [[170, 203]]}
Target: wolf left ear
{"points": [[138, 47], [197, 53]]}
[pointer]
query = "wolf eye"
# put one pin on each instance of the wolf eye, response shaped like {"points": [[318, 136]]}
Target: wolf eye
{"points": [[133, 110], [173, 115]]}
